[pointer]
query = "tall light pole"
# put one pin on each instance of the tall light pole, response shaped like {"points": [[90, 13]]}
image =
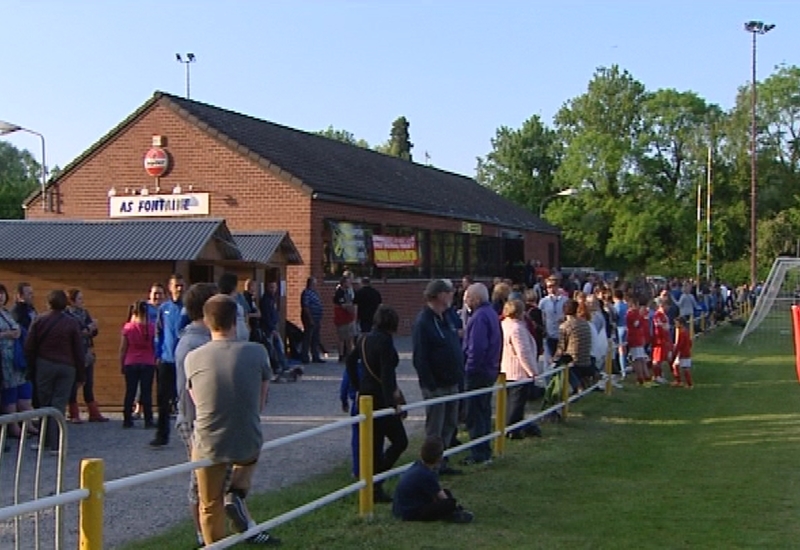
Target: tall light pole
{"points": [[569, 192], [190, 58], [8, 128], [755, 28]]}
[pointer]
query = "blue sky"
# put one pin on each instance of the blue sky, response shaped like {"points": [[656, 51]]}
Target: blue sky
{"points": [[457, 70]]}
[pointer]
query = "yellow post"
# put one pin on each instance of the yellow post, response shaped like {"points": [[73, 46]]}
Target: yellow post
{"points": [[691, 326], [565, 393], [500, 415], [91, 508], [609, 365], [366, 467]]}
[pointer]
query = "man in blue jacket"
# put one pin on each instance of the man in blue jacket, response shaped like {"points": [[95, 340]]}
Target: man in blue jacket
{"points": [[482, 347], [168, 327], [439, 363]]}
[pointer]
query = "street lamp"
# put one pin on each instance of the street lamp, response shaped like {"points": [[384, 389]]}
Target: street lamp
{"points": [[755, 28], [8, 128], [189, 59], [569, 192]]}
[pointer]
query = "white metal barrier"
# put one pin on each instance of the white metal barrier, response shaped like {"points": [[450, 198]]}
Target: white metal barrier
{"points": [[36, 504], [95, 489]]}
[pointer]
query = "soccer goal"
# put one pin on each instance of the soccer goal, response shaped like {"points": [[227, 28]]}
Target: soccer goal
{"points": [[771, 316]]}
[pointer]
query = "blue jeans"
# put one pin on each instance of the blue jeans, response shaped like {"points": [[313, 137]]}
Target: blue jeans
{"points": [[479, 415], [311, 341]]}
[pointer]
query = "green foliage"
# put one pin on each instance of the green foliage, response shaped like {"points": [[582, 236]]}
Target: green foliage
{"points": [[344, 136], [637, 157], [522, 163], [19, 177], [400, 141]]}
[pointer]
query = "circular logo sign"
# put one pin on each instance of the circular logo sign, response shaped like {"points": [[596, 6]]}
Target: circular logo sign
{"points": [[156, 162]]}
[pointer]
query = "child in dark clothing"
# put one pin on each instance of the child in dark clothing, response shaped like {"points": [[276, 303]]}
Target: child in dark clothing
{"points": [[419, 497]]}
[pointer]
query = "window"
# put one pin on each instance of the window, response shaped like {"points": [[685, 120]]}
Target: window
{"points": [[348, 245], [486, 256], [448, 253]]}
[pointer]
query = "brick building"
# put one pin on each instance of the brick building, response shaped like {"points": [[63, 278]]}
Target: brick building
{"points": [[337, 205]]}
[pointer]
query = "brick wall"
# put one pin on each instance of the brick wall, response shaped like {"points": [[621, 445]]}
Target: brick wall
{"points": [[248, 196]]}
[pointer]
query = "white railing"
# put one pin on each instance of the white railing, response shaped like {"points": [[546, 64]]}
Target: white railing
{"points": [[94, 488]]}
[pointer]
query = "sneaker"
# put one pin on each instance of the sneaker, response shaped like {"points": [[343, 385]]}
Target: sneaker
{"points": [[127, 425], [236, 512], [661, 380], [470, 461], [462, 516], [265, 539]]}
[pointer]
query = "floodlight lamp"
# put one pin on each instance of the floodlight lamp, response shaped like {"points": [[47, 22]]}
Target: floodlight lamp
{"points": [[190, 56], [178, 57]]}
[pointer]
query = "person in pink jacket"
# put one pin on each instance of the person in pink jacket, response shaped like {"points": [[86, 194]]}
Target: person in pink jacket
{"points": [[519, 361]]}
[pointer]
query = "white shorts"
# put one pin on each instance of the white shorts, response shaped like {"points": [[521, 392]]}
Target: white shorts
{"points": [[638, 353], [685, 363]]}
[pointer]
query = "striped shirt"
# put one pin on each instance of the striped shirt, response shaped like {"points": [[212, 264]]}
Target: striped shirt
{"points": [[575, 339]]}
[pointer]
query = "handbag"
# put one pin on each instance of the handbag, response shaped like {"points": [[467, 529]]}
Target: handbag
{"points": [[399, 398]]}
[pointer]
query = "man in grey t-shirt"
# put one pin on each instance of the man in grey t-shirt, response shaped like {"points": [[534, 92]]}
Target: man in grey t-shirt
{"points": [[228, 381]]}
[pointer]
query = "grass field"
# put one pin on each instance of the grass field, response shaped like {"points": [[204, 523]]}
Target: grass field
{"points": [[713, 467]]}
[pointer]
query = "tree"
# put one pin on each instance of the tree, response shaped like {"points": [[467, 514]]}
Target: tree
{"points": [[400, 141], [600, 132], [522, 163], [19, 177], [342, 135]]}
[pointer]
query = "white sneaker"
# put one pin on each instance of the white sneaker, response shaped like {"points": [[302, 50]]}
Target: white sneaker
{"points": [[661, 380]]}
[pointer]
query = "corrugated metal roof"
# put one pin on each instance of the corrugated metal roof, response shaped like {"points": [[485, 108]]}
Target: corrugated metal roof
{"points": [[260, 247], [113, 240]]}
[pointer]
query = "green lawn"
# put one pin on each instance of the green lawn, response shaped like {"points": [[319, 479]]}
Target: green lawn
{"points": [[714, 467]]}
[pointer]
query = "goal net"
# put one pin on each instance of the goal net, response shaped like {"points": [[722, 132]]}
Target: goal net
{"points": [[771, 317]]}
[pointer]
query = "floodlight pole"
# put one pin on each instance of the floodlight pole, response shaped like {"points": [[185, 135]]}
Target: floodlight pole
{"points": [[190, 58], [755, 28]]}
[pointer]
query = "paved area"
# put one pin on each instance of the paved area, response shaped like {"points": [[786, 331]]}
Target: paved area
{"points": [[154, 507]]}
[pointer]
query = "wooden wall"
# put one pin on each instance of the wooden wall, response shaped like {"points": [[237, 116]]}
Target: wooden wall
{"points": [[108, 289]]}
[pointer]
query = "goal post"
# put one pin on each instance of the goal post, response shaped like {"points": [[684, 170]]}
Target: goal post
{"points": [[771, 315]]}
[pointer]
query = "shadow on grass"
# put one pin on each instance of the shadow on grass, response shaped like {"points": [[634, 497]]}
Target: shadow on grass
{"points": [[715, 467]]}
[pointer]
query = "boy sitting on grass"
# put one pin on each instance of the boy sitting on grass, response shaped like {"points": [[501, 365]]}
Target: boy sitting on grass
{"points": [[419, 497]]}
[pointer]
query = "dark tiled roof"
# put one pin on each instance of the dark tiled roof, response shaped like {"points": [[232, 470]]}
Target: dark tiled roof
{"points": [[338, 171], [260, 247], [138, 240]]}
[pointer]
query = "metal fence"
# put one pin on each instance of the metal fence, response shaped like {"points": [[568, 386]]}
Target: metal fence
{"points": [[27, 478], [94, 488]]}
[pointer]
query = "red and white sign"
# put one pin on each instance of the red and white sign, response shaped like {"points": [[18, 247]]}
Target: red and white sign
{"points": [[391, 251], [156, 162]]}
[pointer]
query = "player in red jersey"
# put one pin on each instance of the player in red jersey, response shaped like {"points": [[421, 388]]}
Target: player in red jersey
{"points": [[662, 343], [682, 363], [637, 324]]}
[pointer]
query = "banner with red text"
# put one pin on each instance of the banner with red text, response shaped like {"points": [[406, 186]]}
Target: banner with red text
{"points": [[391, 251]]}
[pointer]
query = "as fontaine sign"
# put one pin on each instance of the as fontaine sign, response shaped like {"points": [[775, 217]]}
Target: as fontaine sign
{"points": [[158, 206]]}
